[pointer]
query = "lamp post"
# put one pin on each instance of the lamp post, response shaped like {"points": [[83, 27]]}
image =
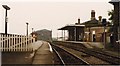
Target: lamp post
{"points": [[6, 19], [27, 28], [32, 30], [104, 24]]}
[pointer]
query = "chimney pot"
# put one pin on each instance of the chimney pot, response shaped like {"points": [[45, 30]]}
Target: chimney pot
{"points": [[100, 18], [92, 14], [78, 20]]}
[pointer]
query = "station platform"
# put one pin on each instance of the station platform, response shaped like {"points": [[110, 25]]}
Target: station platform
{"points": [[44, 54]]}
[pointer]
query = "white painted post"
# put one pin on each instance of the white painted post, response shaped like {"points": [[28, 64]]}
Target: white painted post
{"points": [[7, 39], [16, 36], [9, 42], [19, 42], [21, 38], [31, 43], [23, 43], [0, 43], [6, 42], [33, 40], [28, 43], [24, 40], [14, 43]]}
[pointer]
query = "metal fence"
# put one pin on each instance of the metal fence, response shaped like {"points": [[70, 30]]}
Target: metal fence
{"points": [[11, 42]]}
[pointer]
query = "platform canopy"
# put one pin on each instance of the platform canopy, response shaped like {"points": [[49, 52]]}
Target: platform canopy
{"points": [[67, 27]]}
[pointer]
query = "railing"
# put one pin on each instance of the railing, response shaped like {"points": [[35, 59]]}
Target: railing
{"points": [[13, 42]]}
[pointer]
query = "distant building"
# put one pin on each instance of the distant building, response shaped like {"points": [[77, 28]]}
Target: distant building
{"points": [[44, 34]]}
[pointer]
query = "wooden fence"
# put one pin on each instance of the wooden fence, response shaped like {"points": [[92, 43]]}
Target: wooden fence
{"points": [[11, 42]]}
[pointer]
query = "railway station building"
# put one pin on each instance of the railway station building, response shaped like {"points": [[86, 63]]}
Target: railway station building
{"points": [[94, 30], [75, 31], [91, 30]]}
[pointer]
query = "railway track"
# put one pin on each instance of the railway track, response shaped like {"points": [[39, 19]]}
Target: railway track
{"points": [[98, 54], [66, 58], [106, 57]]}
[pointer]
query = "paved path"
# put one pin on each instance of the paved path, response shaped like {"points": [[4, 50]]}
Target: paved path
{"points": [[44, 54]]}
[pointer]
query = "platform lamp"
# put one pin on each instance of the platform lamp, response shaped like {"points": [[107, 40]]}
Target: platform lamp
{"points": [[32, 30], [104, 22], [6, 19], [27, 28]]}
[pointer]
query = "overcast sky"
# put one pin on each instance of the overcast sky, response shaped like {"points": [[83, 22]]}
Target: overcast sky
{"points": [[49, 14]]}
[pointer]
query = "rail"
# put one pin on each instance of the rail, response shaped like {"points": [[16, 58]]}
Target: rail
{"points": [[68, 58], [99, 54]]}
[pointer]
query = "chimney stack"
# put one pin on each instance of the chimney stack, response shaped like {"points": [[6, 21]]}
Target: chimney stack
{"points": [[92, 14], [78, 20], [100, 18]]}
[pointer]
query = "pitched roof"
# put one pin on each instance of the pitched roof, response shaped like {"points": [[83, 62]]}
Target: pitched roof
{"points": [[67, 27], [92, 23], [42, 30]]}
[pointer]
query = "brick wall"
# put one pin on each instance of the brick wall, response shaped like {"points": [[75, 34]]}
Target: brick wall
{"points": [[98, 33]]}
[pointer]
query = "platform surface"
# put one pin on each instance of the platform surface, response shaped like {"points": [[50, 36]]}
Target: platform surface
{"points": [[44, 54]]}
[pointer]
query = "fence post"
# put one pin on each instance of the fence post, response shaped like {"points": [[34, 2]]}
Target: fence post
{"points": [[31, 44], [19, 42], [31, 38], [24, 40], [0, 43], [26, 43], [14, 42], [21, 39], [4, 42], [9, 42], [6, 39]]}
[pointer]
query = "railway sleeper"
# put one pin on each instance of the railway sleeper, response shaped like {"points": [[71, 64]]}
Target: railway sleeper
{"points": [[85, 55]]}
